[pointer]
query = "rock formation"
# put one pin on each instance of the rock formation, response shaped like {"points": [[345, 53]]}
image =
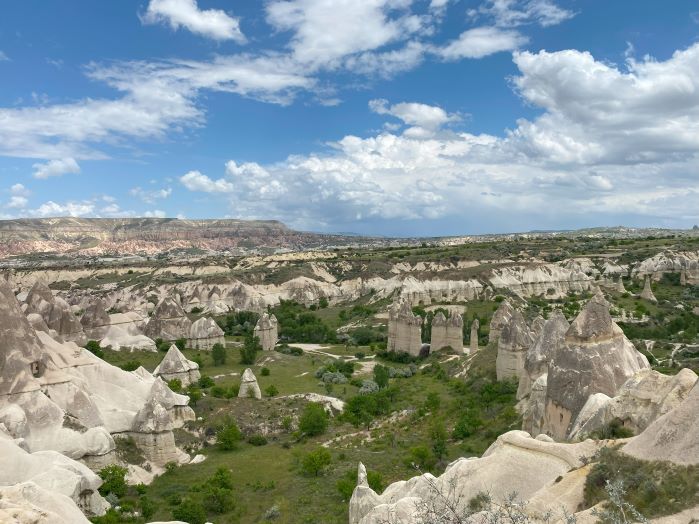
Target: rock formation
{"points": [[473, 342], [204, 333], [248, 386], [266, 330], [168, 322], [500, 319], [404, 329], [416, 291], [596, 357], [56, 313], [641, 400], [176, 366], [125, 333], [674, 436], [447, 332], [620, 285], [95, 321], [513, 344], [550, 280], [647, 292]]}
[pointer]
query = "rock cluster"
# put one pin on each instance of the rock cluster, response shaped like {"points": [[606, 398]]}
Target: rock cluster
{"points": [[176, 366], [125, 333], [56, 313], [447, 332], [513, 344], [248, 386], [266, 330], [169, 321], [204, 333], [404, 329]]}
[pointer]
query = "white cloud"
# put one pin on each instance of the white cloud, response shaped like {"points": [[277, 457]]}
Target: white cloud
{"points": [[512, 13], [480, 42], [155, 213], [57, 167], [72, 208], [18, 202], [423, 116], [19, 190], [150, 196], [195, 181], [211, 23]]}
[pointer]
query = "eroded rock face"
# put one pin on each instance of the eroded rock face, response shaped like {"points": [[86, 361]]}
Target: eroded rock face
{"points": [[447, 332], [641, 400], [515, 462], [248, 386], [647, 293], [204, 333], [29, 503], [473, 341], [56, 313], [404, 329], [176, 366], [674, 436], [500, 319], [596, 357], [686, 262], [550, 280], [168, 322], [95, 320], [125, 333], [514, 342], [267, 331]]}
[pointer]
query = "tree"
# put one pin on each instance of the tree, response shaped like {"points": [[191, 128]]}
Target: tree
{"points": [[194, 395], [228, 436], [316, 461], [218, 353], [190, 511], [323, 303], [271, 390], [113, 480], [381, 375], [181, 343], [248, 353], [218, 500], [438, 433], [314, 420]]}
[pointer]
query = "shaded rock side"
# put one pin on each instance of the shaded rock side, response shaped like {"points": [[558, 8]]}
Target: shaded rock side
{"points": [[168, 321], [447, 332], [500, 319], [56, 312], [473, 339], [176, 366], [404, 329], [248, 386], [204, 333], [266, 330], [647, 293], [514, 342]]}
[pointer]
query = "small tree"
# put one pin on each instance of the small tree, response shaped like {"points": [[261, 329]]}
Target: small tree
{"points": [[229, 436], [190, 511], [381, 375], [218, 354], [113, 480], [94, 347], [316, 461], [194, 395], [248, 353], [175, 385], [314, 420], [271, 390], [181, 343]]}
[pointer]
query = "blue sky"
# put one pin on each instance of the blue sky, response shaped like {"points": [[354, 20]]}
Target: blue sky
{"points": [[395, 117]]}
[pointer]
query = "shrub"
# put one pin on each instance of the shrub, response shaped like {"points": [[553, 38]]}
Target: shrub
{"points": [[467, 425], [248, 353], [323, 303], [175, 385], [316, 461], [147, 507], [206, 382], [289, 350], [314, 420], [190, 511], [257, 440], [347, 483], [218, 354], [196, 310], [359, 355], [368, 386], [381, 376], [333, 378], [94, 347], [264, 371], [194, 394], [222, 478], [228, 436], [113, 480], [218, 500], [420, 457], [131, 365], [128, 451], [181, 343], [615, 429], [162, 345], [271, 390]]}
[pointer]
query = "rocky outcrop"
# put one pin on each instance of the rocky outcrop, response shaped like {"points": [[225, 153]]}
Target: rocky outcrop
{"points": [[515, 462], [56, 313], [125, 333], [29, 503], [168, 322], [548, 280], [513, 344], [447, 332], [500, 319], [95, 321], [176, 366], [686, 262], [647, 293], [266, 331], [404, 329], [642, 399], [204, 333], [473, 340], [674, 436], [596, 357], [248, 386], [426, 292]]}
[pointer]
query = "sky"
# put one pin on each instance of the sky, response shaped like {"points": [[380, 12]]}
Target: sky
{"points": [[384, 117]]}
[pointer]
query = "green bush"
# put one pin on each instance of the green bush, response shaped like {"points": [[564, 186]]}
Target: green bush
{"points": [[297, 324], [271, 390], [206, 382], [190, 511], [175, 385], [131, 365], [257, 440], [315, 462], [228, 436], [314, 420], [147, 507], [264, 371], [181, 343], [381, 376], [113, 480], [615, 429], [94, 347], [218, 354], [346, 484], [240, 323], [218, 500], [248, 353]]}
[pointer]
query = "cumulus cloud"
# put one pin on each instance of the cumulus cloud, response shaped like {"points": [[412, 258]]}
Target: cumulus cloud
{"points": [[511, 13], [211, 23], [155, 213], [196, 181], [480, 42], [423, 116], [57, 167], [71, 208], [150, 196]]}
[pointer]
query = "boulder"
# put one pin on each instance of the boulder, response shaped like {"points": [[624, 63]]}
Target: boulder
{"points": [[176, 366], [447, 332], [595, 357], [248, 386], [514, 342], [205, 333], [266, 331], [169, 321], [29, 503], [404, 329]]}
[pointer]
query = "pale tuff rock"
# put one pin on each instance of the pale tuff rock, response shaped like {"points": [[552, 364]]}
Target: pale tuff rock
{"points": [[417, 291], [500, 319], [168, 322], [674, 436], [642, 399], [248, 386], [56, 313], [537, 326], [404, 329], [364, 499], [52, 471], [95, 320], [671, 262], [447, 332], [683, 277], [540, 352], [515, 462], [515, 339], [647, 293], [176, 366], [29, 503], [204, 333], [473, 342], [534, 407], [595, 357], [549, 280], [620, 285], [125, 332], [267, 331]]}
